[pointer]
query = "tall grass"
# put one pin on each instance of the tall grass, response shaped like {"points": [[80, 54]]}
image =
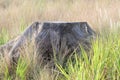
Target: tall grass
{"points": [[103, 62], [5, 38], [98, 13]]}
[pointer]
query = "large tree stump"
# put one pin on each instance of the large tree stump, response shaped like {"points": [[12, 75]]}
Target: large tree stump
{"points": [[61, 38]]}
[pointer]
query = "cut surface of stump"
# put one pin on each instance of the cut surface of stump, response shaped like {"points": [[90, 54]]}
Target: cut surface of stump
{"points": [[59, 38]]}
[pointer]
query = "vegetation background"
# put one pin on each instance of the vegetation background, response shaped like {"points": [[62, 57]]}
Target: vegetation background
{"points": [[102, 15]]}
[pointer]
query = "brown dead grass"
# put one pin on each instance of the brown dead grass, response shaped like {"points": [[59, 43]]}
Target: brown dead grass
{"points": [[17, 13]]}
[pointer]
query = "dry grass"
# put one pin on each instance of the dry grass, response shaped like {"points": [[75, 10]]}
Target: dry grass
{"points": [[100, 13]]}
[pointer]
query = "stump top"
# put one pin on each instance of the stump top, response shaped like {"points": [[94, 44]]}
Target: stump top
{"points": [[63, 22], [58, 25]]}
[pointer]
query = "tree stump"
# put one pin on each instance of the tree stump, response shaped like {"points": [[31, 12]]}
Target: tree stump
{"points": [[61, 38]]}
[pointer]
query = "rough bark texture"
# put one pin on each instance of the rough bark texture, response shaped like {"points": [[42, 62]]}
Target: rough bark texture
{"points": [[61, 38]]}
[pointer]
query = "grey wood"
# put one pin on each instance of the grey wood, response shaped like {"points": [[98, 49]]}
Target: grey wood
{"points": [[59, 38]]}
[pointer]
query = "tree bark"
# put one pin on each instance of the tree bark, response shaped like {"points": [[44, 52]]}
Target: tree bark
{"points": [[59, 38]]}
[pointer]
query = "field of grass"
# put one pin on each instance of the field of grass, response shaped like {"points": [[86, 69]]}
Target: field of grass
{"points": [[102, 15]]}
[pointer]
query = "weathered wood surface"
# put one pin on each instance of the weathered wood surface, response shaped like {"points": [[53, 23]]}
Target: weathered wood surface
{"points": [[49, 37]]}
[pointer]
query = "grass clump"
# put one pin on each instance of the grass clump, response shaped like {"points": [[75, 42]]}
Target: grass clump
{"points": [[103, 62], [4, 36]]}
